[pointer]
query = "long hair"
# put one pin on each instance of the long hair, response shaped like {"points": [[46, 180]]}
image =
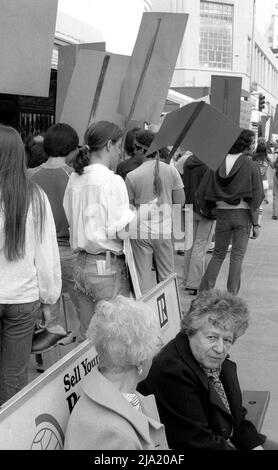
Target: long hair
{"points": [[16, 194], [243, 142], [144, 139], [96, 137]]}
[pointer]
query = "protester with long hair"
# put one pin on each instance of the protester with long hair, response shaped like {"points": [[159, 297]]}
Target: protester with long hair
{"points": [[234, 192], [154, 179], [29, 262], [97, 207]]}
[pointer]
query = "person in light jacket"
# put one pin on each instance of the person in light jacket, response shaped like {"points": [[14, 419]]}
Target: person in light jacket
{"points": [[110, 414], [30, 278]]}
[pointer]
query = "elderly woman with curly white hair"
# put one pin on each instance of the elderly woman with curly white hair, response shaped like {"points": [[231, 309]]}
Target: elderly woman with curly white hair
{"points": [[110, 414], [195, 383]]}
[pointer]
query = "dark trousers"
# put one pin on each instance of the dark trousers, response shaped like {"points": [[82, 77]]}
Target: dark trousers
{"points": [[232, 226], [17, 324]]}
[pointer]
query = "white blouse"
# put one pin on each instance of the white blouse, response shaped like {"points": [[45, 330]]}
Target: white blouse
{"points": [[36, 276], [97, 207]]}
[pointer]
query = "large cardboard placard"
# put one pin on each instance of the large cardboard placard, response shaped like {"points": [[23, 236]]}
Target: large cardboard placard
{"points": [[200, 128], [94, 89], [66, 62], [148, 78], [226, 95], [36, 418], [27, 36]]}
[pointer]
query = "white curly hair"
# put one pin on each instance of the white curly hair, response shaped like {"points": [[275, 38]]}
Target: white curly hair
{"points": [[124, 332]]}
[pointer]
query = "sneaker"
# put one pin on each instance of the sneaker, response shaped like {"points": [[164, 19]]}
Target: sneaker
{"points": [[181, 252], [274, 217]]}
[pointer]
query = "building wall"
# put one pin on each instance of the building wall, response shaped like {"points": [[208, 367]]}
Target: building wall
{"points": [[189, 73]]}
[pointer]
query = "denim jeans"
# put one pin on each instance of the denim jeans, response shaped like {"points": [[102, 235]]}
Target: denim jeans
{"points": [[93, 287], [195, 257], [58, 320], [17, 324], [232, 226], [143, 252]]}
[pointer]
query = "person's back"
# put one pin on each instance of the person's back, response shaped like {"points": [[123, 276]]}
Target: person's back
{"points": [[53, 180], [60, 143], [142, 177], [30, 278], [154, 179], [193, 172], [236, 191]]}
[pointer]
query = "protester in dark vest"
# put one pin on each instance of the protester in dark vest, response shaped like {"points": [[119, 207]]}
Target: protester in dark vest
{"points": [[60, 144]]}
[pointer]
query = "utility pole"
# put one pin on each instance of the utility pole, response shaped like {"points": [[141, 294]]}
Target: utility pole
{"points": [[252, 44]]}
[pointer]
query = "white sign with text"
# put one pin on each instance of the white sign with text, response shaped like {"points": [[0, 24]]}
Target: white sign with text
{"points": [[36, 418]]}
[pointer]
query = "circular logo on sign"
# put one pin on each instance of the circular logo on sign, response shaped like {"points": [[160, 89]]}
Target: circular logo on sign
{"points": [[50, 435]]}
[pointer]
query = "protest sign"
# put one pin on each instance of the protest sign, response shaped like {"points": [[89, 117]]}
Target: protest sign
{"points": [[27, 30]]}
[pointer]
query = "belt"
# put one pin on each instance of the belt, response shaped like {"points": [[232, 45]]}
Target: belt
{"points": [[102, 255]]}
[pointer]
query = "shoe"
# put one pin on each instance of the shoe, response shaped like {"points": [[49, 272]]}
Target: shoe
{"points": [[211, 247], [274, 217], [44, 341], [191, 291]]}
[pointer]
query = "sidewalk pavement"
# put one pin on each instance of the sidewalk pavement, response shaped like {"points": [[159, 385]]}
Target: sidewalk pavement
{"points": [[256, 353]]}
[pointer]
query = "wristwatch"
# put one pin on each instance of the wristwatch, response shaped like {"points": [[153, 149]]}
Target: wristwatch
{"points": [[256, 225]]}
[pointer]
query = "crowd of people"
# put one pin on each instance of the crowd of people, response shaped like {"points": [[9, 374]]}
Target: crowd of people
{"points": [[67, 209]]}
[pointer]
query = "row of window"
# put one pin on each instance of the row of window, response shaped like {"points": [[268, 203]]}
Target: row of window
{"points": [[216, 35]]}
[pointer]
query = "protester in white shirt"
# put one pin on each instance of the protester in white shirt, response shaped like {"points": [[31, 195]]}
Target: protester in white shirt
{"points": [[97, 207], [29, 263]]}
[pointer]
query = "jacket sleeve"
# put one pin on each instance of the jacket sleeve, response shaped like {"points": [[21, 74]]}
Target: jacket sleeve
{"points": [[182, 409], [257, 189], [246, 436], [201, 204], [47, 259]]}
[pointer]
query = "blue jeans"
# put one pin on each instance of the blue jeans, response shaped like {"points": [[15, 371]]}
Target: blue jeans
{"points": [[144, 250], [195, 257], [93, 287], [58, 320], [232, 226], [17, 324]]}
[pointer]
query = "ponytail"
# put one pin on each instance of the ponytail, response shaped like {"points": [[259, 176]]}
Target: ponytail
{"points": [[157, 184], [81, 160]]}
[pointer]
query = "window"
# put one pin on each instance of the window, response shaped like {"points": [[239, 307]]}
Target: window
{"points": [[216, 35]]}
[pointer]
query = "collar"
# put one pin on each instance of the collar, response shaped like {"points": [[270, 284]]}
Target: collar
{"points": [[103, 392], [51, 164], [96, 167]]}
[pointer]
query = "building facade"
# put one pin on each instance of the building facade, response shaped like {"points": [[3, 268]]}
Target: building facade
{"points": [[218, 41]]}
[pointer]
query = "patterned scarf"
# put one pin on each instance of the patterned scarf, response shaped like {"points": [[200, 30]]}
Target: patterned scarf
{"points": [[213, 375]]}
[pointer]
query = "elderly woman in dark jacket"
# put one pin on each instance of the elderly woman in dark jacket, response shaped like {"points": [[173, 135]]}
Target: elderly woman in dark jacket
{"points": [[196, 385]]}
